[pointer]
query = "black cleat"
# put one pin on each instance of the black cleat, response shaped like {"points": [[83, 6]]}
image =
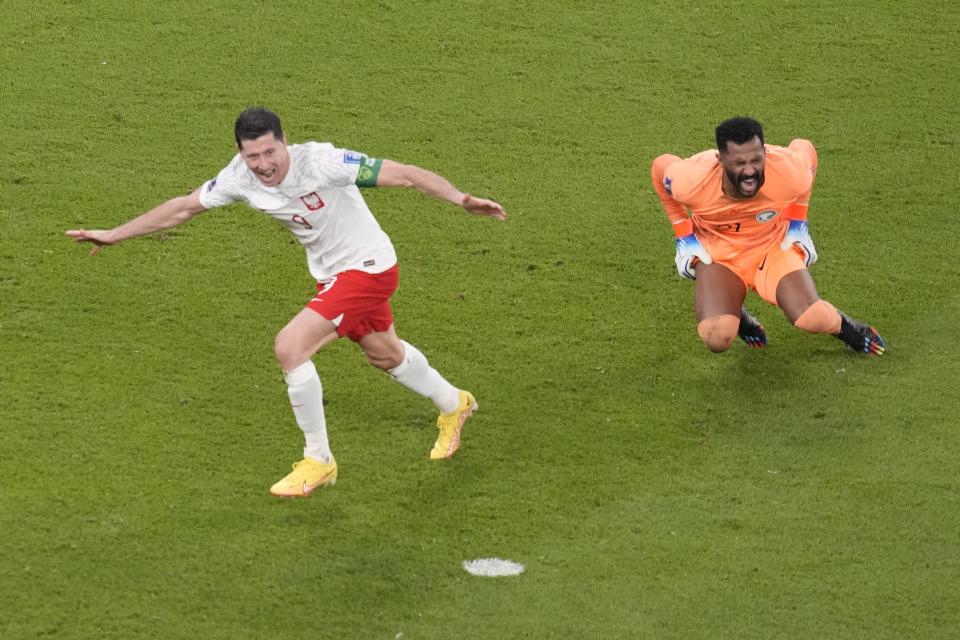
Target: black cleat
{"points": [[751, 331], [860, 337]]}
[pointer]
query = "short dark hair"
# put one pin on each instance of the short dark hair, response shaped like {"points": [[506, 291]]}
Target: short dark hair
{"points": [[738, 131], [254, 122]]}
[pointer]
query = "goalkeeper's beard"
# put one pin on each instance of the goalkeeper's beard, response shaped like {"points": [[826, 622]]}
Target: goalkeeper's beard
{"points": [[736, 179]]}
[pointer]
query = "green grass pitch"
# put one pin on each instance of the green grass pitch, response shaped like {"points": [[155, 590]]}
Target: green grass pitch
{"points": [[651, 489]]}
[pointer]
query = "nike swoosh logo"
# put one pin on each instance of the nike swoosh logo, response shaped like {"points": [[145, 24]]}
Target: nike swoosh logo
{"points": [[307, 488]]}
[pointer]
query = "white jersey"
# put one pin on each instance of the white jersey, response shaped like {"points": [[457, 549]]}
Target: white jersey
{"points": [[319, 202]]}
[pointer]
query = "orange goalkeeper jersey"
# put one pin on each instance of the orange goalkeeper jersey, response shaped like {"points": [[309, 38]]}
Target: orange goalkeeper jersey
{"points": [[730, 226]]}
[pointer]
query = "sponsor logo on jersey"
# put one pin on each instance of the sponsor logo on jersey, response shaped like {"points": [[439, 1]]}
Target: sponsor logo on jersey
{"points": [[668, 184], [766, 216], [312, 201], [352, 158]]}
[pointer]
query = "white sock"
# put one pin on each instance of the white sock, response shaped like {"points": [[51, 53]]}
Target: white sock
{"points": [[417, 374], [306, 398]]}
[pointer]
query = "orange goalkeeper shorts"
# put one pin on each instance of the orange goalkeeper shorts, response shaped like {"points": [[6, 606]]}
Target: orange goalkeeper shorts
{"points": [[762, 269]]}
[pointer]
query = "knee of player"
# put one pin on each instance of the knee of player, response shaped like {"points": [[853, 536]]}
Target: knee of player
{"points": [[718, 332], [286, 353], [718, 345]]}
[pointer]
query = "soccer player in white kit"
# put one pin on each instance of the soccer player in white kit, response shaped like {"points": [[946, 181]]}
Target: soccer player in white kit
{"points": [[312, 189]]}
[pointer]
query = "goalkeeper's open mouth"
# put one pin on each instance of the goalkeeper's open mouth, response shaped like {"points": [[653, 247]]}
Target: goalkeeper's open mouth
{"points": [[749, 185]]}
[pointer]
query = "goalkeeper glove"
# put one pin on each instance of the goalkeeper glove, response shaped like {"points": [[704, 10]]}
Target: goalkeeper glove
{"points": [[689, 251], [798, 233]]}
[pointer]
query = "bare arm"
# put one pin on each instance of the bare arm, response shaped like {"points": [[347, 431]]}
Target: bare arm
{"points": [[395, 174], [169, 214]]}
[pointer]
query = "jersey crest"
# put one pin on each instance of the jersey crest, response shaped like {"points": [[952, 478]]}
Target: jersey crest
{"points": [[312, 201]]}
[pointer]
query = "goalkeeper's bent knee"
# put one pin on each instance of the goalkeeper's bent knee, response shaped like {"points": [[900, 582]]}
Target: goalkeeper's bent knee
{"points": [[820, 317], [718, 332]]}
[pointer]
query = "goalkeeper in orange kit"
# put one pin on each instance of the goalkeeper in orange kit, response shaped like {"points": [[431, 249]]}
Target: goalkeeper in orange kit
{"points": [[747, 229]]}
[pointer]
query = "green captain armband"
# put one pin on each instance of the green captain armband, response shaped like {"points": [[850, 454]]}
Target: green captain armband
{"points": [[369, 170]]}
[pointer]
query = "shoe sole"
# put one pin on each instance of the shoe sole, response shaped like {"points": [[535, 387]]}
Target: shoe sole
{"points": [[455, 441]]}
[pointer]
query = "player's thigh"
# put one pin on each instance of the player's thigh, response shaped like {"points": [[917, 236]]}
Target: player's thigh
{"points": [[302, 337], [795, 293], [717, 291], [783, 280]]}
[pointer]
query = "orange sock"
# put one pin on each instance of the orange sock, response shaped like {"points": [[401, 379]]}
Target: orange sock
{"points": [[820, 317]]}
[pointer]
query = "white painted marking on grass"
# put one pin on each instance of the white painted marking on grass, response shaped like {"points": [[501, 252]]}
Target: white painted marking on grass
{"points": [[493, 567]]}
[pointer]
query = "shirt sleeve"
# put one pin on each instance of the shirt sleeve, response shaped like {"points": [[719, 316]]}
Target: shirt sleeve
{"points": [[677, 179], [663, 185], [800, 167], [335, 167], [219, 191]]}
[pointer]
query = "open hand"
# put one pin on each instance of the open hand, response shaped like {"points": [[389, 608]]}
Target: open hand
{"points": [[97, 237], [483, 207]]}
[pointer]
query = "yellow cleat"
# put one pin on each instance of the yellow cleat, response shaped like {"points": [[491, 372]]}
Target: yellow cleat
{"points": [[307, 475], [450, 424]]}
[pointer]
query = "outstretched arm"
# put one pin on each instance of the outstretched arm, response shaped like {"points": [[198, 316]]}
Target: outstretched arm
{"points": [[395, 174], [169, 214]]}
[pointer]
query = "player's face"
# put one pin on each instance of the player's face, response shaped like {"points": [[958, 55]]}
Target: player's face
{"points": [[267, 157], [743, 168]]}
